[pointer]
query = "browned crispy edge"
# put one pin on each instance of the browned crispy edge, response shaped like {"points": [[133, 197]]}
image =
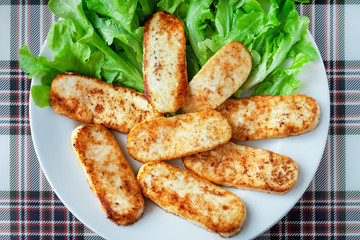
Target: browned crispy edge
{"points": [[291, 131], [60, 75], [267, 190], [58, 102], [226, 232], [190, 106], [315, 119], [119, 219], [161, 119], [172, 23]]}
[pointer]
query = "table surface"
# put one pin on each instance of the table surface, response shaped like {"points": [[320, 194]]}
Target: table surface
{"points": [[329, 208]]}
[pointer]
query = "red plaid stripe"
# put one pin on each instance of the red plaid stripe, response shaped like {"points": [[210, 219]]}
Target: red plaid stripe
{"points": [[327, 210]]}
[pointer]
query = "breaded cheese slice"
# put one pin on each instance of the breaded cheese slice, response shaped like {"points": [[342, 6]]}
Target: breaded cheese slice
{"points": [[93, 101], [164, 66], [169, 138], [266, 116], [108, 173], [186, 195], [219, 78], [234, 165]]}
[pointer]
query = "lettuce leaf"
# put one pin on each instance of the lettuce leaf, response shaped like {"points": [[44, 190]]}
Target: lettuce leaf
{"points": [[79, 48], [121, 11], [276, 50], [178, 8], [275, 47], [169, 5], [109, 29], [271, 30], [104, 39], [73, 11], [40, 95], [282, 81], [198, 19]]}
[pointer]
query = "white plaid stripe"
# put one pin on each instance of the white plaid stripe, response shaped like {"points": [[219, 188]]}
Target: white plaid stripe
{"points": [[30, 23]]}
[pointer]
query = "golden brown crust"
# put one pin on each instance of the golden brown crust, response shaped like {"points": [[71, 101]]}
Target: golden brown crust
{"points": [[267, 116], [219, 78], [234, 165], [164, 65], [169, 138], [108, 173], [186, 195], [93, 101]]}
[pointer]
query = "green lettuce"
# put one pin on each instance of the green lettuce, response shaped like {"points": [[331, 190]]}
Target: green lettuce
{"points": [[169, 5], [271, 31], [198, 19], [282, 81], [104, 39], [79, 48], [277, 46]]}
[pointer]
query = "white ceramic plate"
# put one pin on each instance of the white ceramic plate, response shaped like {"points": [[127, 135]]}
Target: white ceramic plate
{"points": [[51, 135]]}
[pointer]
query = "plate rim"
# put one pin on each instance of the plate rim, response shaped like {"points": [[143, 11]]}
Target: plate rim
{"points": [[276, 220]]}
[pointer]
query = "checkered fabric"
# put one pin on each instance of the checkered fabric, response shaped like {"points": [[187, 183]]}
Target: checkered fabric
{"points": [[329, 209]]}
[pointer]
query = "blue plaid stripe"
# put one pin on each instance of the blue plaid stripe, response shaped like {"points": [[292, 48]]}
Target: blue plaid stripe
{"points": [[327, 210]]}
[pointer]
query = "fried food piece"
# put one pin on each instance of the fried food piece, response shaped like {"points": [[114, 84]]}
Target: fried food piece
{"points": [[186, 195], [93, 101], [234, 165], [108, 173], [266, 116], [164, 66], [169, 138], [219, 78]]}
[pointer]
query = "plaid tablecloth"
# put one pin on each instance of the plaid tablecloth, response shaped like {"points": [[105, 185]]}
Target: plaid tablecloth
{"points": [[329, 209]]}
